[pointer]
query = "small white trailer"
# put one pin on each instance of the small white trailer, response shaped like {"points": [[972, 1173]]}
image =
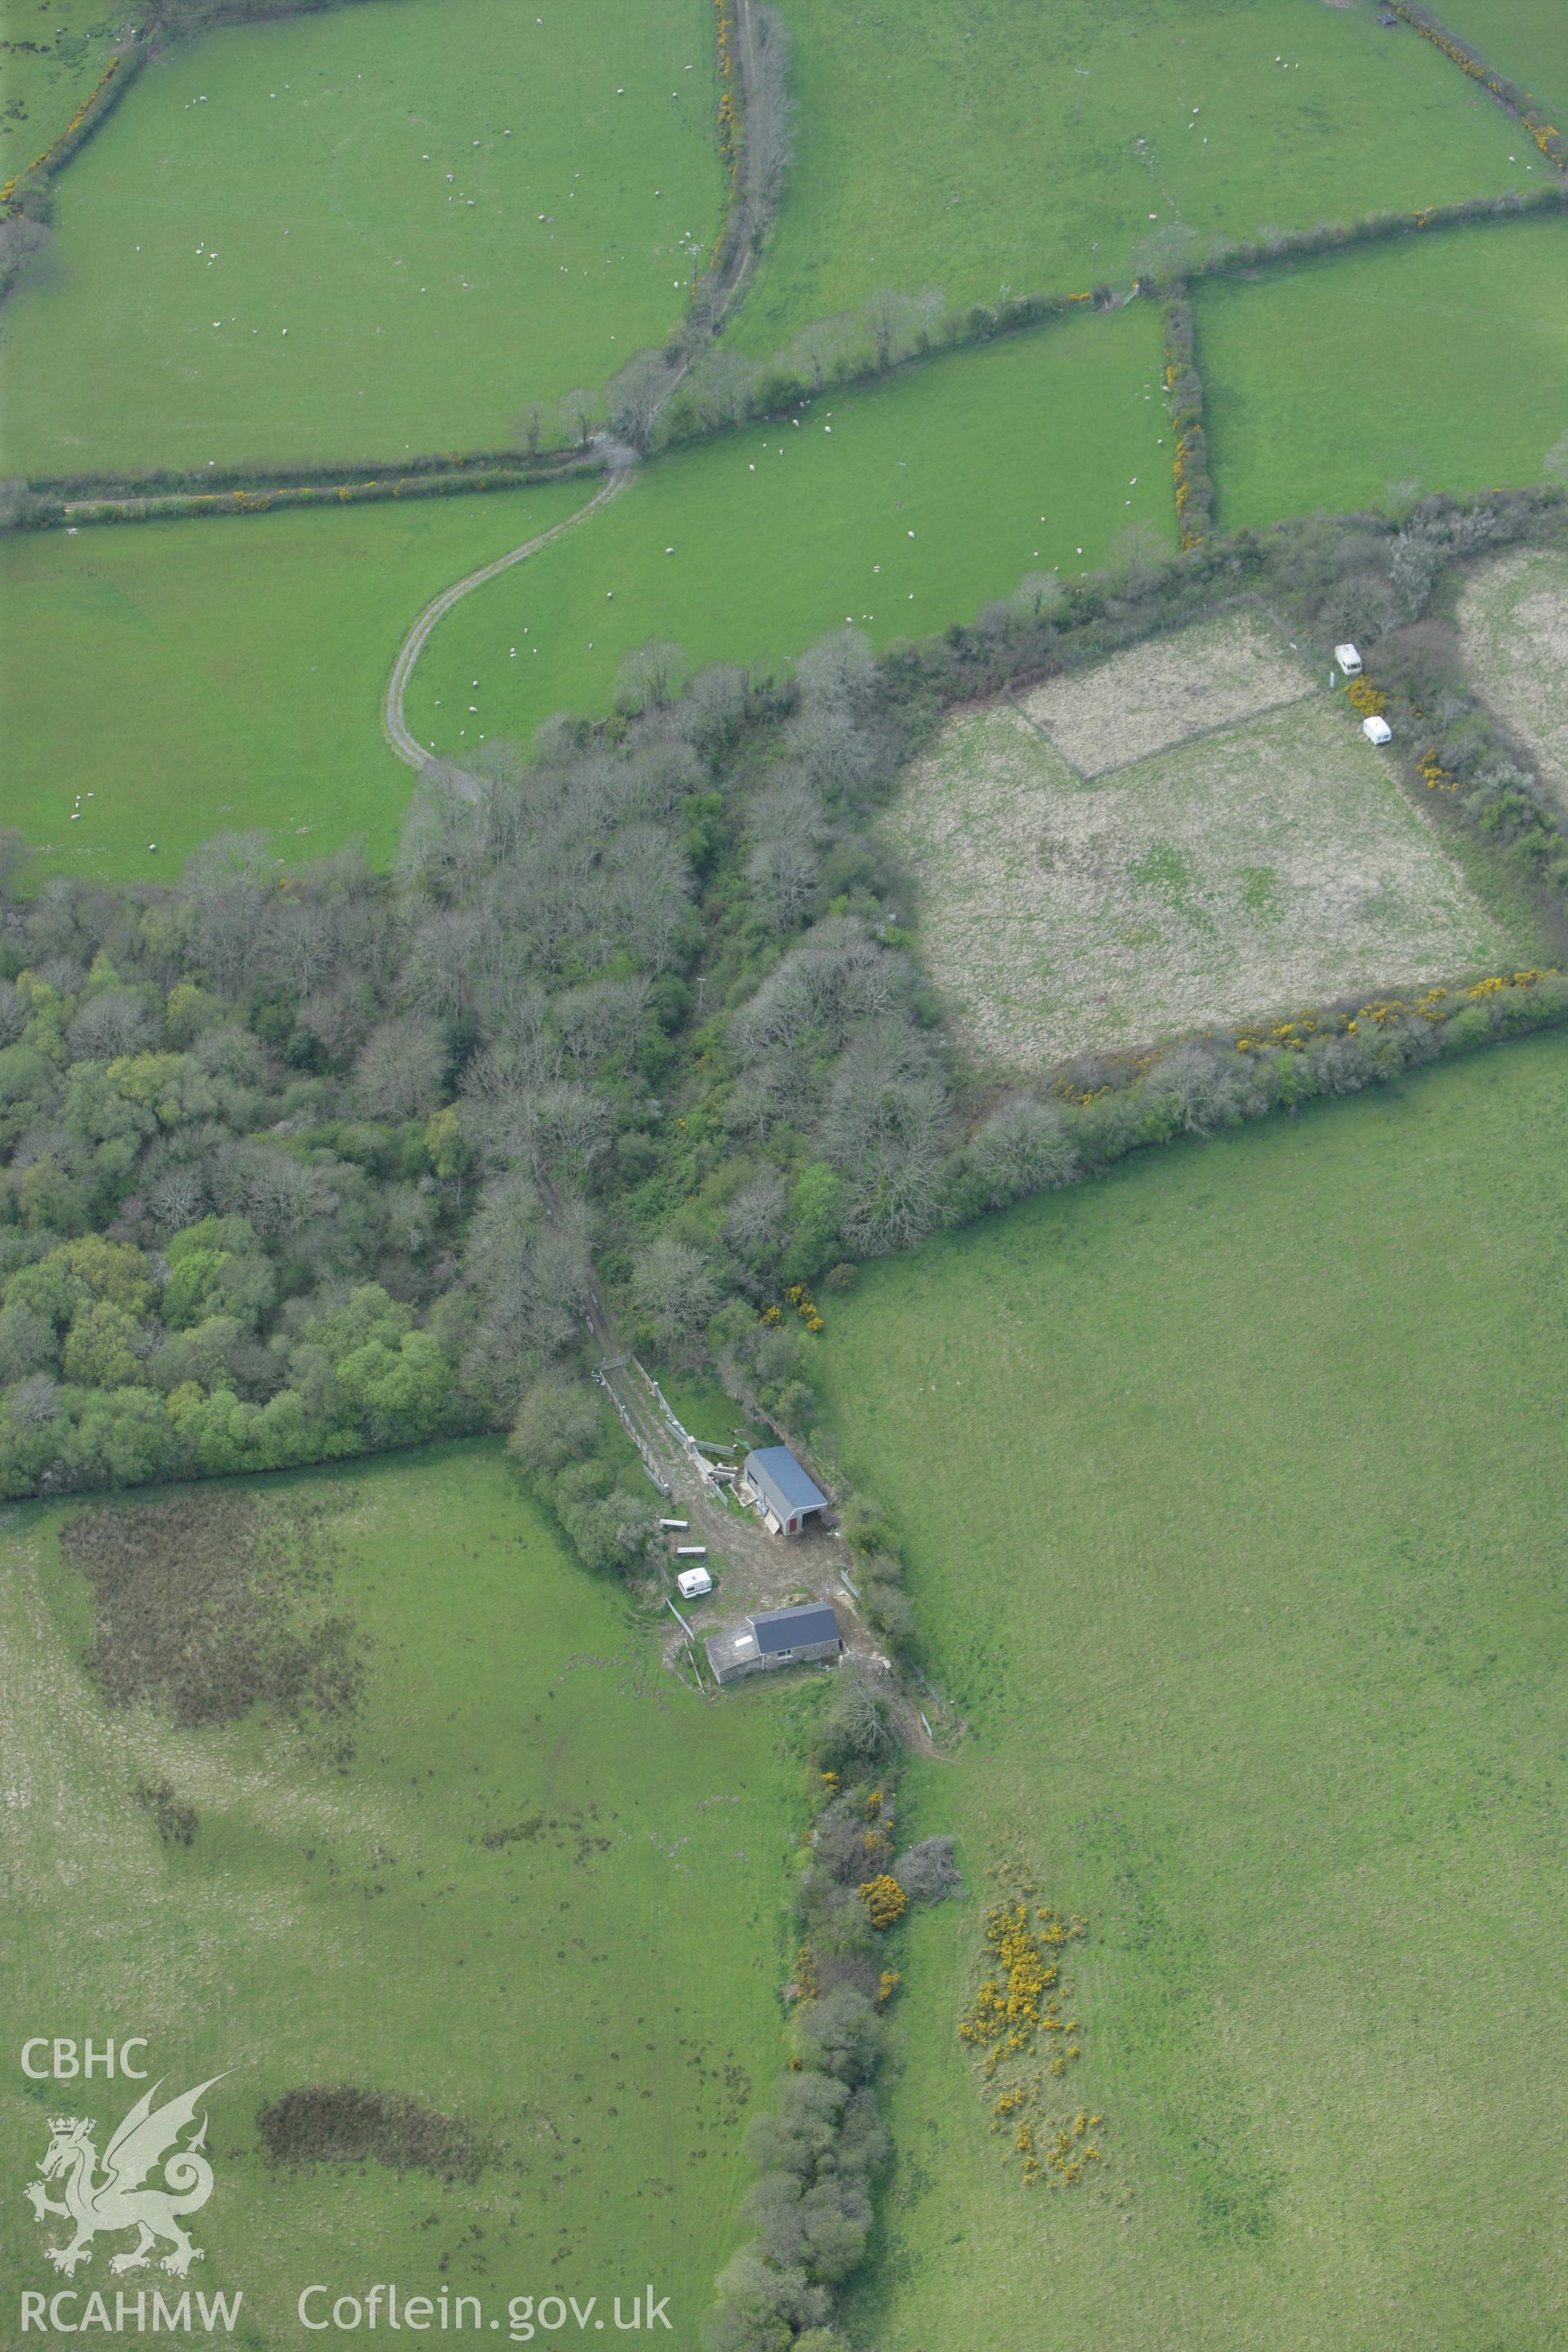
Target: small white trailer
{"points": [[1348, 660], [1377, 730], [693, 1582]]}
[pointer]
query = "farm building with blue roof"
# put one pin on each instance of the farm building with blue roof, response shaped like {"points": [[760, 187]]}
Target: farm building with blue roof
{"points": [[783, 1490]]}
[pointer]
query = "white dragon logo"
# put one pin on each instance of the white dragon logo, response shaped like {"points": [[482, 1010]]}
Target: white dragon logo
{"points": [[144, 2142]]}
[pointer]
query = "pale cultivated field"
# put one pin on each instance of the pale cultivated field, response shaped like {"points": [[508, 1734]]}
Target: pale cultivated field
{"points": [[1514, 624], [1256, 871], [1166, 691]]}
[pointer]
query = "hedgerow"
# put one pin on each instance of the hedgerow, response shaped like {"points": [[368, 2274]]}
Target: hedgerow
{"points": [[696, 388], [28, 187], [158, 482], [1185, 404], [819, 2149], [1519, 103]]}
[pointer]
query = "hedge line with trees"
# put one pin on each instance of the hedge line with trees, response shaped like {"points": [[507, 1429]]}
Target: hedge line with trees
{"points": [[695, 386], [29, 193], [159, 481], [818, 2150], [297, 1165], [1519, 103], [194, 505], [1185, 402]]}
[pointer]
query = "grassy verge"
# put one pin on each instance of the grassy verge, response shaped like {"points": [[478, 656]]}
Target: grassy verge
{"points": [[1257, 1619]]}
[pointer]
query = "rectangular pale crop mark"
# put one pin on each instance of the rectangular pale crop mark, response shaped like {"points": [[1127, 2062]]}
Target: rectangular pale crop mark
{"points": [[1255, 867], [1166, 689], [1513, 627]]}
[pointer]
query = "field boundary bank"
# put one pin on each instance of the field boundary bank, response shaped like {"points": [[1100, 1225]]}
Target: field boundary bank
{"points": [[1521, 103], [737, 247], [180, 506], [1010, 695], [99, 103], [1184, 386], [134, 486], [1022, 315]]}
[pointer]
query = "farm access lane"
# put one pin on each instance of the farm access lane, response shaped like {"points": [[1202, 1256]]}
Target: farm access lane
{"points": [[760, 1570], [393, 725]]}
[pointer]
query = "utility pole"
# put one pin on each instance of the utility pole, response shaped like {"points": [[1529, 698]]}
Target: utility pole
{"points": [[1082, 73]]}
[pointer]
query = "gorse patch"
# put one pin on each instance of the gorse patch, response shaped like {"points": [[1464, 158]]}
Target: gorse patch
{"points": [[1015, 2015]]}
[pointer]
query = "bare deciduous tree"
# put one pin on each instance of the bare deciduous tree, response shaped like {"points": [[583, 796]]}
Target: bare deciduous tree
{"points": [[758, 1217], [650, 674], [719, 389], [784, 873], [1038, 595], [834, 750], [676, 1287], [400, 1072], [839, 670], [579, 414], [634, 396], [893, 322], [1021, 1149], [821, 350]]}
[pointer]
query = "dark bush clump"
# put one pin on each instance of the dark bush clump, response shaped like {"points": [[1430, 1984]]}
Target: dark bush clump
{"points": [[339, 2124]]}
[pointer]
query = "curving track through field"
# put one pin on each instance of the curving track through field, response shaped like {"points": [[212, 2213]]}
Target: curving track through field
{"points": [[393, 725]]}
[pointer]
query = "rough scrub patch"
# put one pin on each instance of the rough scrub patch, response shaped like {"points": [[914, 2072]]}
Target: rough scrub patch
{"points": [[215, 1603], [1513, 625], [1267, 867], [339, 2124], [1165, 691]]}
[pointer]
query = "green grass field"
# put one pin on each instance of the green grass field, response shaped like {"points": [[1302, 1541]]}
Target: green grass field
{"points": [[330, 164], [1230, 1492], [1443, 362], [943, 146], [229, 673], [1526, 39], [597, 1991], [900, 506], [225, 673], [52, 54]]}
